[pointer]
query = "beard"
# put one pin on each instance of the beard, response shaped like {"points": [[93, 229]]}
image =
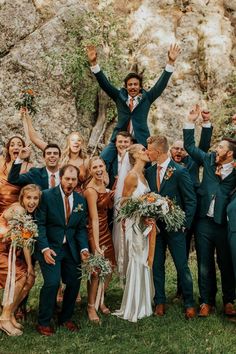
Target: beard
{"points": [[222, 159]]}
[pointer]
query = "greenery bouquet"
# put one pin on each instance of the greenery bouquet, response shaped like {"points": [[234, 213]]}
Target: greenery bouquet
{"points": [[27, 99], [154, 206]]}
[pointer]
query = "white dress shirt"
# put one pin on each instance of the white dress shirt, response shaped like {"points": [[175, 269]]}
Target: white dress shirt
{"points": [[164, 166], [57, 178]]}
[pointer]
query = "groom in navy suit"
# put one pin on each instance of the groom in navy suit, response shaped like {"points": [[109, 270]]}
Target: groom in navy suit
{"points": [[61, 245], [169, 179], [132, 101]]}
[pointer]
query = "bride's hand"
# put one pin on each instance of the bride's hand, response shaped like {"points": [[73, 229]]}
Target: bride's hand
{"points": [[149, 221]]}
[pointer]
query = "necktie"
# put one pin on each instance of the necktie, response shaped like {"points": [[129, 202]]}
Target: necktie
{"points": [[131, 104], [131, 107], [52, 181], [159, 178], [67, 205], [218, 170]]}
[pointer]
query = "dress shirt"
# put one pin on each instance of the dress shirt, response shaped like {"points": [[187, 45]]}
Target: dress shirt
{"points": [[57, 178], [189, 125], [227, 168], [164, 166], [119, 159], [96, 68]]}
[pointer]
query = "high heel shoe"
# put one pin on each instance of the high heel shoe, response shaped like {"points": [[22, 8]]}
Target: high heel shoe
{"points": [[105, 310], [11, 331], [15, 323], [92, 317]]}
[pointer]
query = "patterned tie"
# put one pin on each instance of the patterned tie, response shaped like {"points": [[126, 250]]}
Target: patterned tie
{"points": [[131, 107], [52, 181], [67, 205], [131, 104], [218, 170], [159, 177]]}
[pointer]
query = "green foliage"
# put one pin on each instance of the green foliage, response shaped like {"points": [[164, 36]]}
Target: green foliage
{"points": [[108, 32], [171, 334], [223, 111]]}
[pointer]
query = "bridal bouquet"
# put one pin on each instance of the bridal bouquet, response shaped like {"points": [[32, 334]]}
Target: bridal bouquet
{"points": [[155, 206], [22, 231], [27, 98]]}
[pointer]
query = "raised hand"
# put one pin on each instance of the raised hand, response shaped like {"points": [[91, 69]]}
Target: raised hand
{"points": [[92, 54], [194, 114], [173, 53], [24, 153], [206, 116]]}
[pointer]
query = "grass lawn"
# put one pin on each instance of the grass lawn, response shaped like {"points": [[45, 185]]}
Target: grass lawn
{"points": [[171, 334]]}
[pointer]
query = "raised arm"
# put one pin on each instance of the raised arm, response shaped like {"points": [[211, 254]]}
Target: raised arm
{"points": [[14, 176], [161, 84], [29, 129], [103, 82], [189, 142], [206, 133]]}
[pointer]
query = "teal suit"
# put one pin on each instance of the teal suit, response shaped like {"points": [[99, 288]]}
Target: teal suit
{"points": [[139, 114], [211, 232], [179, 187], [52, 230], [35, 175], [231, 216]]}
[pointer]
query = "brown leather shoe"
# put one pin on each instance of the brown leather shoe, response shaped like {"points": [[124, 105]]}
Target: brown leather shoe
{"points": [[45, 330], [205, 310], [71, 326], [190, 312], [229, 309], [159, 310]]}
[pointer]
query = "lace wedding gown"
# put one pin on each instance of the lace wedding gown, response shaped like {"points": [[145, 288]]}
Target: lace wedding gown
{"points": [[138, 292]]}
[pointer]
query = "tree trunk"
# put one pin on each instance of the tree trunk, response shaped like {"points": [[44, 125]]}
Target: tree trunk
{"points": [[101, 123]]}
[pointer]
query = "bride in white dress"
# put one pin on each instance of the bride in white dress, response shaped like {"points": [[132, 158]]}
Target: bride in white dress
{"points": [[138, 291]]}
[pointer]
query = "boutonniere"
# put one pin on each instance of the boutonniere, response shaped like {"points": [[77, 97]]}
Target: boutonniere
{"points": [[78, 208], [169, 172]]}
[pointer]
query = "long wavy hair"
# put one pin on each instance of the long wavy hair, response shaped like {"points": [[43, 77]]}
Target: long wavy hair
{"points": [[66, 152], [6, 154], [91, 160]]}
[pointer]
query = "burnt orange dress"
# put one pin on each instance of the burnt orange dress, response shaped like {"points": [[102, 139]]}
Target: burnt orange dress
{"points": [[21, 266], [105, 237]]}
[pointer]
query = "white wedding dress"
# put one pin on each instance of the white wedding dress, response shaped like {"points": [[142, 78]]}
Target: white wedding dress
{"points": [[138, 292]]}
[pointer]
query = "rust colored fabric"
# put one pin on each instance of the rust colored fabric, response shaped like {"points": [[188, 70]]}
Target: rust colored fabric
{"points": [[105, 237], [9, 194]]}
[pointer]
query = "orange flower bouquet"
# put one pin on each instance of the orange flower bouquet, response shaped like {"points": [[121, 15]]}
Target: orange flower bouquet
{"points": [[27, 99], [22, 231]]}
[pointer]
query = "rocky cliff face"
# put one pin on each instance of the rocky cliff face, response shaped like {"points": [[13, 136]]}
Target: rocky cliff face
{"points": [[30, 29]]}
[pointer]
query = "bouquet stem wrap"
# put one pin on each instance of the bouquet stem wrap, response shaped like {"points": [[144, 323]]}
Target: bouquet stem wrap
{"points": [[11, 276]]}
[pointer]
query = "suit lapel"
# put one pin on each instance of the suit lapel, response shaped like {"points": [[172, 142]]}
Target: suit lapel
{"points": [[45, 178], [75, 205], [165, 177], [152, 181], [60, 204]]}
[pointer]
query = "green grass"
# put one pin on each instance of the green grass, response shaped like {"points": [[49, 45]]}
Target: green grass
{"points": [[171, 334]]}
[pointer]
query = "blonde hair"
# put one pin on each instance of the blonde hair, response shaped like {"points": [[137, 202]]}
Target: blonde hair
{"points": [[95, 158], [29, 188], [160, 141], [132, 150], [66, 153]]}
